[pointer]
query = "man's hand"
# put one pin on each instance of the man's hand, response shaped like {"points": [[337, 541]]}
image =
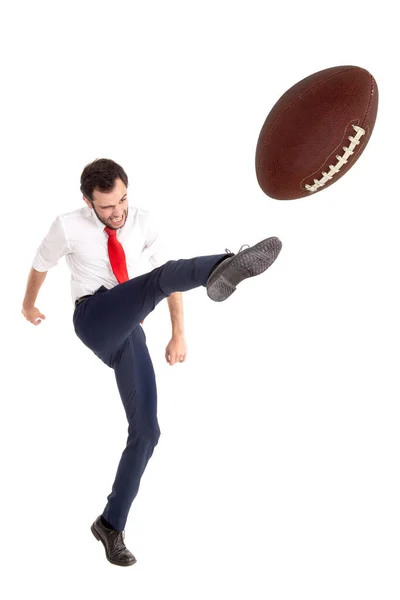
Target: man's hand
{"points": [[33, 315], [176, 350]]}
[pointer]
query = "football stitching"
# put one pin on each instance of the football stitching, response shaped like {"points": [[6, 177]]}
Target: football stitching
{"points": [[363, 120], [370, 99], [333, 169], [294, 102]]}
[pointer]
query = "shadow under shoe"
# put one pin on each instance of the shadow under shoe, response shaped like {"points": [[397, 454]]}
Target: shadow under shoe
{"points": [[113, 541]]}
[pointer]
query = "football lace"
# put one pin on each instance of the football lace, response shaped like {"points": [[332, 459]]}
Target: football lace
{"points": [[342, 160]]}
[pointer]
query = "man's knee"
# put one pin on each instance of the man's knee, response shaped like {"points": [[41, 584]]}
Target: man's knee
{"points": [[147, 435]]}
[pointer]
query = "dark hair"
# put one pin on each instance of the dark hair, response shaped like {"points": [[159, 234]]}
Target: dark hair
{"points": [[101, 174]]}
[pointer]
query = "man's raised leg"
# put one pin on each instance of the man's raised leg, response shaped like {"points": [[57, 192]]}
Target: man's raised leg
{"points": [[104, 321]]}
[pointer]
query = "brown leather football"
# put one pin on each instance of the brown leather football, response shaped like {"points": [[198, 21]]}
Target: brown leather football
{"points": [[316, 132]]}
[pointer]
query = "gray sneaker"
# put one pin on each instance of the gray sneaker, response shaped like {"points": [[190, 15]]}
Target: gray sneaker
{"points": [[224, 278]]}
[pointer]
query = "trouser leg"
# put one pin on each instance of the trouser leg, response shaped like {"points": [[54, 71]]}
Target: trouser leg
{"points": [[104, 321], [137, 387], [109, 324]]}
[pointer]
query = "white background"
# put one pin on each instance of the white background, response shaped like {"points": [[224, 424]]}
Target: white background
{"points": [[277, 472]]}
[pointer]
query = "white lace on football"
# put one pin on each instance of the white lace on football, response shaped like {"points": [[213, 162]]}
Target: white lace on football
{"points": [[341, 160]]}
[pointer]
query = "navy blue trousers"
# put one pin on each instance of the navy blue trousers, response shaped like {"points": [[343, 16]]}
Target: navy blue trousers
{"points": [[109, 324]]}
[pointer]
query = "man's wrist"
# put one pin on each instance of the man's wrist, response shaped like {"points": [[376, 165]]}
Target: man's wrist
{"points": [[178, 333]]}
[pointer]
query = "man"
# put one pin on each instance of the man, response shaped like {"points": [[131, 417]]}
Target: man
{"points": [[102, 243]]}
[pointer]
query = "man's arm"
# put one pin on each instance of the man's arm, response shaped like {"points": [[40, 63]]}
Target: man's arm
{"points": [[176, 349], [175, 305], [35, 281], [53, 247], [30, 312]]}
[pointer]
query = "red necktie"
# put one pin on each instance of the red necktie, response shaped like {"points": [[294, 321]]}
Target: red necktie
{"points": [[117, 256]]}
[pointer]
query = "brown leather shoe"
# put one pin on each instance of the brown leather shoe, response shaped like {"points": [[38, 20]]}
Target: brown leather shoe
{"points": [[113, 541]]}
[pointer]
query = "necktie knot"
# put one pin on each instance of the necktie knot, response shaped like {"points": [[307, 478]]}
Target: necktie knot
{"points": [[110, 232]]}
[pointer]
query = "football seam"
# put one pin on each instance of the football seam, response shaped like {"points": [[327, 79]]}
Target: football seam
{"points": [[357, 152], [290, 106], [370, 99]]}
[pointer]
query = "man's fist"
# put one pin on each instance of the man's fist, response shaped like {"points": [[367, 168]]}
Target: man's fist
{"points": [[33, 315], [176, 350]]}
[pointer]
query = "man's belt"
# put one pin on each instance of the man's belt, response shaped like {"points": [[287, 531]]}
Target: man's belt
{"points": [[81, 299]]}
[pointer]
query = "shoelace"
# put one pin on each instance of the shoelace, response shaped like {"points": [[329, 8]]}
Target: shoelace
{"points": [[120, 544], [229, 252]]}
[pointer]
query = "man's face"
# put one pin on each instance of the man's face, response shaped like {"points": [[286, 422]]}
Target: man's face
{"points": [[111, 207]]}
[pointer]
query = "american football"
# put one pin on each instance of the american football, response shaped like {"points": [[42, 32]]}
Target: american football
{"points": [[316, 132]]}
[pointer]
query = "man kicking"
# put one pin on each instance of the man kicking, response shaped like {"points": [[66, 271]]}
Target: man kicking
{"points": [[102, 243]]}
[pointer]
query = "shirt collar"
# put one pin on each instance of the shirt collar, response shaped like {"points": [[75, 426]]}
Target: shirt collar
{"points": [[95, 218]]}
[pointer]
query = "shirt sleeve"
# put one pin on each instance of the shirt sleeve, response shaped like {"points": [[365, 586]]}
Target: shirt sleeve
{"points": [[154, 248], [53, 247]]}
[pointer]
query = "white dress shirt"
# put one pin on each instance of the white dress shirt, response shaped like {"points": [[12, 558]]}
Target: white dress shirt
{"points": [[80, 237]]}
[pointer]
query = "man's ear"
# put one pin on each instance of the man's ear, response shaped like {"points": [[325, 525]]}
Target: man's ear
{"points": [[87, 202]]}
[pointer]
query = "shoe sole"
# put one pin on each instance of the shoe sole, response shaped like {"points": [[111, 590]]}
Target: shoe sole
{"points": [[249, 262], [96, 535]]}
